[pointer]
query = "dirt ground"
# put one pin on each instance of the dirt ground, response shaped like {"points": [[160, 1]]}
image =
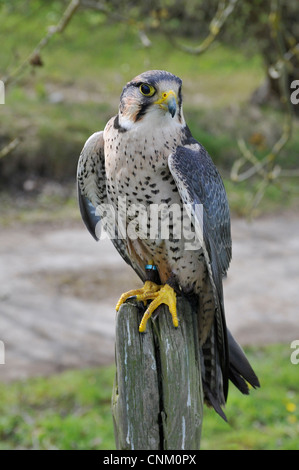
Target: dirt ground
{"points": [[58, 290]]}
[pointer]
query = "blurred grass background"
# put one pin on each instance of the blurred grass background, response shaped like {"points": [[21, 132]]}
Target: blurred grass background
{"points": [[54, 108], [72, 410]]}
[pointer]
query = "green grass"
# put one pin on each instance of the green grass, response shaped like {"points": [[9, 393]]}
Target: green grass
{"points": [[72, 410], [90, 63], [66, 411], [269, 418]]}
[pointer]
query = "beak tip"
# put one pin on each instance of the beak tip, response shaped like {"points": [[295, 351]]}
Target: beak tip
{"points": [[172, 108], [168, 102]]}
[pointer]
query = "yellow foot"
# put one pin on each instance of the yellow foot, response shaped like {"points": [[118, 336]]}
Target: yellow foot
{"points": [[165, 295], [145, 293], [159, 295]]}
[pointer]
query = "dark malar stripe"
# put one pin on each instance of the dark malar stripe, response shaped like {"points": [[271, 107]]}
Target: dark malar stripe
{"points": [[117, 125], [142, 111]]}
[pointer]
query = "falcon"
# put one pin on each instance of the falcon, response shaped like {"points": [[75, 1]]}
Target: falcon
{"points": [[146, 156]]}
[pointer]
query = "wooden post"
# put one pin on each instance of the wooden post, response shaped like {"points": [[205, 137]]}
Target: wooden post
{"points": [[157, 400]]}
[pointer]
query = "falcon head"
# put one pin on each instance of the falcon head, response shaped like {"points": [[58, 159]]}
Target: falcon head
{"points": [[154, 95]]}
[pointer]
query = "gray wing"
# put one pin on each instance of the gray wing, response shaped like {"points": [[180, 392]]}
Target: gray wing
{"points": [[199, 182], [92, 195], [91, 182], [200, 185]]}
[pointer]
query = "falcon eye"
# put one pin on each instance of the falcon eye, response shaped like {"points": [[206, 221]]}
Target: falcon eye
{"points": [[147, 90]]}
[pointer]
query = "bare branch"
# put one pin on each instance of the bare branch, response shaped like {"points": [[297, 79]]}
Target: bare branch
{"points": [[9, 147], [34, 57], [248, 156], [224, 10], [267, 168]]}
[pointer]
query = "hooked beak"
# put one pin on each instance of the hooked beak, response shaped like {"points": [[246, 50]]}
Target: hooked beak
{"points": [[168, 102]]}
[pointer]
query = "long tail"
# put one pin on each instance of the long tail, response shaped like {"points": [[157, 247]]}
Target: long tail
{"points": [[222, 357], [240, 371]]}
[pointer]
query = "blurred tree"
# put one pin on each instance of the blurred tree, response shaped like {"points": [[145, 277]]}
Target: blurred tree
{"points": [[269, 26], [272, 27]]}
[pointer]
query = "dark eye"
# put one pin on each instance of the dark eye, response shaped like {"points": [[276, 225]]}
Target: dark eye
{"points": [[147, 90]]}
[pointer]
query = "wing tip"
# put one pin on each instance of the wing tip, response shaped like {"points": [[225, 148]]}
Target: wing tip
{"points": [[87, 211]]}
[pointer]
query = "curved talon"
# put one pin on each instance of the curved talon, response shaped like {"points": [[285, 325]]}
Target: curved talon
{"points": [[166, 295], [146, 292], [159, 295]]}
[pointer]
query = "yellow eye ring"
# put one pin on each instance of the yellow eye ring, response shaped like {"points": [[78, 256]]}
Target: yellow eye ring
{"points": [[146, 89]]}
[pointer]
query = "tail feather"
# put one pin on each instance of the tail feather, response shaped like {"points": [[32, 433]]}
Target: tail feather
{"points": [[214, 375], [240, 372], [212, 400]]}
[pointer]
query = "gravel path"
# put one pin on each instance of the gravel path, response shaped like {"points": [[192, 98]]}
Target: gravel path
{"points": [[58, 290]]}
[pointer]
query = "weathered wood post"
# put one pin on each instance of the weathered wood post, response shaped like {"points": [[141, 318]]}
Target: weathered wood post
{"points": [[157, 400]]}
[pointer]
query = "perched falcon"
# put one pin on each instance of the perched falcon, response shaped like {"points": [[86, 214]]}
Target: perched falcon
{"points": [[146, 156]]}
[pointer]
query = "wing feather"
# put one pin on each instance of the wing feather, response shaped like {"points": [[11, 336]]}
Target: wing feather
{"points": [[92, 195], [195, 169], [199, 182]]}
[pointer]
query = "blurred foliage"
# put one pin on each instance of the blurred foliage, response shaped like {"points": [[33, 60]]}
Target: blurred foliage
{"points": [[63, 60], [252, 24]]}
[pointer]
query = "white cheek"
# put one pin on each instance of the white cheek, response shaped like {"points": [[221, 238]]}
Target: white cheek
{"points": [[126, 122], [157, 118]]}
